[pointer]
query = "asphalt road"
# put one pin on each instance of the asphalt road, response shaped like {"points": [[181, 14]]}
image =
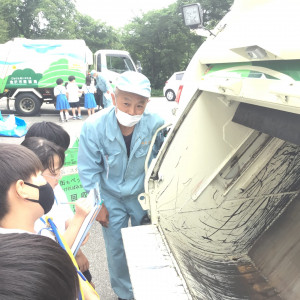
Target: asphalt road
{"points": [[95, 247]]}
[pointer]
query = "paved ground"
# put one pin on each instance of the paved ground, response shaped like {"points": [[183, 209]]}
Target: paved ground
{"points": [[95, 248]]}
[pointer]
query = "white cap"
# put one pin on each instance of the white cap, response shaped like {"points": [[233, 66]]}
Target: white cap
{"points": [[93, 72], [134, 82]]}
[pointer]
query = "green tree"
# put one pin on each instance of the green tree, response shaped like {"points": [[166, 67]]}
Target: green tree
{"points": [[19, 16], [54, 19], [38, 18], [57, 19], [96, 34], [4, 35], [161, 42]]}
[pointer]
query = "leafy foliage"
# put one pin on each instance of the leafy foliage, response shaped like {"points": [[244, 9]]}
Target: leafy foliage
{"points": [[96, 34], [161, 42], [37, 18]]}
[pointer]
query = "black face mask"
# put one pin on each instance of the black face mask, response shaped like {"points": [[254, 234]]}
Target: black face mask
{"points": [[46, 196]]}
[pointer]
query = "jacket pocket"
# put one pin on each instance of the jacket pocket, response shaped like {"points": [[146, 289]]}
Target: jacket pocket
{"points": [[111, 161], [141, 152]]}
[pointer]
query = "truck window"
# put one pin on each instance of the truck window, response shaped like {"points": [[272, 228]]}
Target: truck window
{"points": [[119, 64]]}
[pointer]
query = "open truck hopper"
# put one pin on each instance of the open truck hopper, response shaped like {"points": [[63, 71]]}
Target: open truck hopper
{"points": [[223, 193]]}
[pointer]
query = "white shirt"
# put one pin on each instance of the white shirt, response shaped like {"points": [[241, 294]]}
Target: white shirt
{"points": [[11, 230], [59, 89], [88, 89], [59, 213], [73, 92]]}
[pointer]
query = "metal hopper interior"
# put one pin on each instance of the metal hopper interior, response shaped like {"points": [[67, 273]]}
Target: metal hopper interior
{"points": [[219, 193]]}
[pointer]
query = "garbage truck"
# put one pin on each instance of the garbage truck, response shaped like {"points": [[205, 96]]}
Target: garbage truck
{"points": [[223, 192], [29, 69]]}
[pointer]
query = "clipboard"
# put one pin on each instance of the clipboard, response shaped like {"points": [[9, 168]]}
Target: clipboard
{"points": [[94, 195]]}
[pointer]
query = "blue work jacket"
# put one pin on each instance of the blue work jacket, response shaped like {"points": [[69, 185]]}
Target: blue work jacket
{"points": [[102, 155], [104, 86], [102, 83]]}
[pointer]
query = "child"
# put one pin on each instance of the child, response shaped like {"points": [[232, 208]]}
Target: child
{"points": [[73, 97], [25, 195], [56, 134], [62, 103], [51, 132], [25, 272], [52, 157], [89, 99]]}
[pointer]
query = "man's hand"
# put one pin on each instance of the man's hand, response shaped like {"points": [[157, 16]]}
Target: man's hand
{"points": [[82, 261], [103, 216], [82, 207]]}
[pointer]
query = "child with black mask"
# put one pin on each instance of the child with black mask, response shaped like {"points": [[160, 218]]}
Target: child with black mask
{"points": [[52, 157], [25, 195]]}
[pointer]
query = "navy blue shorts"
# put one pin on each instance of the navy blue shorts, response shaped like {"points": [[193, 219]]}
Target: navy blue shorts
{"points": [[74, 104]]}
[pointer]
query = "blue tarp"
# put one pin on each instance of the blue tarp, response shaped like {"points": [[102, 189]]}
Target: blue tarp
{"points": [[12, 126]]}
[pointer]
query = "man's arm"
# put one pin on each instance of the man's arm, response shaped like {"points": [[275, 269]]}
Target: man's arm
{"points": [[103, 84], [89, 158]]}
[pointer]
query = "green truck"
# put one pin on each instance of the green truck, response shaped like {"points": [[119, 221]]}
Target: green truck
{"points": [[29, 69]]}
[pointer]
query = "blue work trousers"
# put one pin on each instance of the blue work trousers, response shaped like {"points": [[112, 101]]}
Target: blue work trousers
{"points": [[119, 213]]}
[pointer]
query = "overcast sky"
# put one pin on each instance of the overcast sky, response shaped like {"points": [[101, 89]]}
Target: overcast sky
{"points": [[117, 13]]}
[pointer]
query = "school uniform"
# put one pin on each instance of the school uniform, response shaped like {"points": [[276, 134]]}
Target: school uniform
{"points": [[73, 94], [61, 98], [89, 98]]}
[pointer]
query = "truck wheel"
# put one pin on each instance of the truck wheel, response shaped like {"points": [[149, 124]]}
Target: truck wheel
{"points": [[27, 104], [170, 95]]}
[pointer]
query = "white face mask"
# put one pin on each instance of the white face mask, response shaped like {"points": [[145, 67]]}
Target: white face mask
{"points": [[126, 119]]}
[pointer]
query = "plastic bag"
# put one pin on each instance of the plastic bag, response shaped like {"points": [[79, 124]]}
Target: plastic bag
{"points": [[12, 126]]}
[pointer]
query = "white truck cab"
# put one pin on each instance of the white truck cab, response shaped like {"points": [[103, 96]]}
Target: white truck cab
{"points": [[114, 62]]}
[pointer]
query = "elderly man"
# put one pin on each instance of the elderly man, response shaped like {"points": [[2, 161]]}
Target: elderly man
{"points": [[102, 84], [112, 151]]}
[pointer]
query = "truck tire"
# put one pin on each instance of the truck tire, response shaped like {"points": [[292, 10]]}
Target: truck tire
{"points": [[170, 95], [27, 104]]}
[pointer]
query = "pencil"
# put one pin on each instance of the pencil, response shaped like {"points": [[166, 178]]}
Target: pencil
{"points": [[70, 203]]}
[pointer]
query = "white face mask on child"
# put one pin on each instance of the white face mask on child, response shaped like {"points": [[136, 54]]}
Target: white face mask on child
{"points": [[126, 119]]}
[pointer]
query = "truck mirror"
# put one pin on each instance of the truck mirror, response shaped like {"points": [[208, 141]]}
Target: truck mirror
{"points": [[192, 15], [139, 66]]}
